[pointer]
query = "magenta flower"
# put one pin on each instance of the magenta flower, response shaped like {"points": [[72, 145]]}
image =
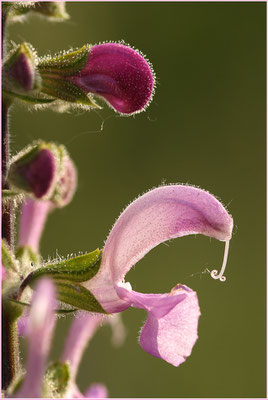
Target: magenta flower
{"points": [[161, 214], [120, 75], [39, 331]]}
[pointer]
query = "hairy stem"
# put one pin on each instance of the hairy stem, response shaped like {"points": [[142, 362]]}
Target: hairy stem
{"points": [[10, 350], [8, 210]]}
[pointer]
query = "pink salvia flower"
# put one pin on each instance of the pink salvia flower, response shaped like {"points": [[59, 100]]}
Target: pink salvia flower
{"points": [[39, 332], [120, 75], [80, 333], [159, 215], [34, 214], [79, 336]]}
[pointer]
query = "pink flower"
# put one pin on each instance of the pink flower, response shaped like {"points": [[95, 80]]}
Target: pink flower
{"points": [[119, 74], [159, 215], [80, 334], [34, 213], [39, 331]]}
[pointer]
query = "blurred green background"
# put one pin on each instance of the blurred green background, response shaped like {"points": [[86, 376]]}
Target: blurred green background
{"points": [[206, 126]]}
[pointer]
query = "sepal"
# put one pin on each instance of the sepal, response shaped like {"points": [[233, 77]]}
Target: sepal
{"points": [[54, 10], [57, 381], [28, 259], [54, 71], [13, 195], [64, 63], [78, 269], [77, 296], [12, 270]]}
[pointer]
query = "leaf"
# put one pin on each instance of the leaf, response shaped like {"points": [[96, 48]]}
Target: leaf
{"points": [[77, 296]]}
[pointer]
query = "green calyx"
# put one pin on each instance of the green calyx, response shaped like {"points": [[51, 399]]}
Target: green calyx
{"points": [[28, 259], [67, 276], [65, 63], [31, 100], [55, 72], [62, 89], [52, 10], [77, 296], [12, 267], [78, 269], [57, 380], [11, 195]]}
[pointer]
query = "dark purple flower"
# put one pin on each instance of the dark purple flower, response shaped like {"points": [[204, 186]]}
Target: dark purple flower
{"points": [[120, 75], [34, 170], [22, 72]]}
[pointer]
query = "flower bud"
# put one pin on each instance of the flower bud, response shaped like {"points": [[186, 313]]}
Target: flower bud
{"points": [[66, 181], [113, 71], [34, 170], [54, 10], [19, 71], [45, 171]]}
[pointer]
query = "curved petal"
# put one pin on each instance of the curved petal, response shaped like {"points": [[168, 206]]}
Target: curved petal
{"points": [[120, 75], [170, 331], [161, 214]]}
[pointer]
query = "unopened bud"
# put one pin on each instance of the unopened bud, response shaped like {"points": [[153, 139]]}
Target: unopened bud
{"points": [[66, 181], [52, 9], [45, 171], [34, 170], [113, 71], [19, 71]]}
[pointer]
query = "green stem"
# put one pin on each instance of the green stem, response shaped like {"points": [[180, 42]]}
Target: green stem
{"points": [[10, 346], [10, 349]]}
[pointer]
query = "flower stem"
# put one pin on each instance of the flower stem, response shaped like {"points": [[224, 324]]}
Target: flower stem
{"points": [[10, 349], [8, 211]]}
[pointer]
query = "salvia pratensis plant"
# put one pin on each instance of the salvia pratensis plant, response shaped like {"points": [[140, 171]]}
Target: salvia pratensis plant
{"points": [[42, 178]]}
